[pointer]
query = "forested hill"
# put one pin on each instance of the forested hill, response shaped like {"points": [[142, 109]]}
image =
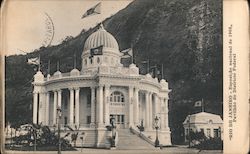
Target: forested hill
{"points": [[184, 35]]}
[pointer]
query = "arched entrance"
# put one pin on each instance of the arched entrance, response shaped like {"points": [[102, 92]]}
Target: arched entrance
{"points": [[118, 108]]}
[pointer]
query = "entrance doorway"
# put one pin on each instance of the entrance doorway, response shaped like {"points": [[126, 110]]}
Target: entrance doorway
{"points": [[119, 120]]}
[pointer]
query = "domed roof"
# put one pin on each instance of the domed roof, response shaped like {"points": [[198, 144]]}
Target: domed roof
{"points": [[204, 117], [101, 37]]}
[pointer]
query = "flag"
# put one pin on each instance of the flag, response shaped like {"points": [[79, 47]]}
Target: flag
{"points": [[198, 104], [96, 51], [93, 11], [34, 61], [127, 53], [154, 71]]}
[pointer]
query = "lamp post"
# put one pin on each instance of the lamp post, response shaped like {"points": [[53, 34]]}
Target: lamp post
{"points": [[189, 137], [157, 144], [59, 114]]}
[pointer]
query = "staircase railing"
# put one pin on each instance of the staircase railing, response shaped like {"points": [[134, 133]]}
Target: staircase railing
{"points": [[141, 135]]}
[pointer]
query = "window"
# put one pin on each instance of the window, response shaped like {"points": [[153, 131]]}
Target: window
{"points": [[88, 100], [85, 61], [119, 119], [88, 119], [210, 121], [208, 132], [117, 97], [65, 120], [216, 133], [91, 60]]}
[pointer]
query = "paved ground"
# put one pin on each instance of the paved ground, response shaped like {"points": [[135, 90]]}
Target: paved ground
{"points": [[172, 150]]}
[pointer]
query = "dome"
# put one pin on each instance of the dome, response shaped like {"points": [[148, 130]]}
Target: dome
{"points": [[101, 37], [38, 77], [74, 72]]}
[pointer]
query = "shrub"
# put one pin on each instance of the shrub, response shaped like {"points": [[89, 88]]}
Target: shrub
{"points": [[211, 144]]}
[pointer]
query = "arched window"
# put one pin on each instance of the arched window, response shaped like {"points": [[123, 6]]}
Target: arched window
{"points": [[210, 121], [116, 97]]}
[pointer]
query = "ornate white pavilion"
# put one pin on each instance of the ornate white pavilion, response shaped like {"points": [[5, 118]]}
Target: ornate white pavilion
{"points": [[103, 88]]}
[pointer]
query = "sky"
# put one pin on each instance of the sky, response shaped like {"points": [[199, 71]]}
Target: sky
{"points": [[27, 24]]}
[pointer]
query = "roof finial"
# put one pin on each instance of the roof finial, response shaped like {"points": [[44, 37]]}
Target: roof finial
{"points": [[101, 27]]}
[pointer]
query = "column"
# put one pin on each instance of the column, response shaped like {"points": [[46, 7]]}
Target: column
{"points": [[100, 106], [55, 107], [150, 111], [47, 108], [131, 101], [71, 106], [156, 106], [106, 105], [59, 93], [77, 107], [166, 113], [147, 110], [41, 108], [35, 107], [93, 113], [162, 113], [136, 102]]}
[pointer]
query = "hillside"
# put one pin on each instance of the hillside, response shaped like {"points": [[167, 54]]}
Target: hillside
{"points": [[184, 35]]}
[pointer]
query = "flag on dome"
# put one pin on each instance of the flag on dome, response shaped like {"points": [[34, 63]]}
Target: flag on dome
{"points": [[127, 53], [34, 61], [96, 51], [197, 104], [93, 11]]}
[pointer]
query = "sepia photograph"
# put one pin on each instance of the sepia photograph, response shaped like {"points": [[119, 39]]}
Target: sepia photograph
{"points": [[127, 76]]}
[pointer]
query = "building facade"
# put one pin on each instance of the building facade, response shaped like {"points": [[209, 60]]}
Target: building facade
{"points": [[102, 89], [210, 124]]}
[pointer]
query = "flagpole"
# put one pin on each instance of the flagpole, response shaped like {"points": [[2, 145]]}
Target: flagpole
{"points": [[202, 105], [74, 60], [148, 66], [162, 73], [49, 67], [39, 65], [57, 65]]}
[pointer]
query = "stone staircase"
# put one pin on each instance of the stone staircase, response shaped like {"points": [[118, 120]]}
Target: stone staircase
{"points": [[129, 141]]}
